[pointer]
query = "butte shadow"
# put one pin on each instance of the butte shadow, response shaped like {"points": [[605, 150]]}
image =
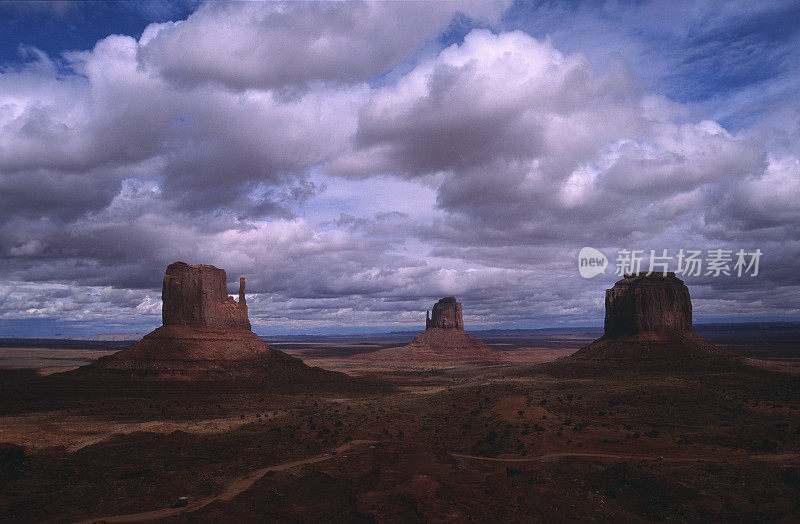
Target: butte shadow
{"points": [[648, 324], [444, 340], [206, 336]]}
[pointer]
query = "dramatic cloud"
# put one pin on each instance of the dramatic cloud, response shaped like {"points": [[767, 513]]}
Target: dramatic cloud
{"points": [[212, 148], [356, 161], [273, 46], [534, 145]]}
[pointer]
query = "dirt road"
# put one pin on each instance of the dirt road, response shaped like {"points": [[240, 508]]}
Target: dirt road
{"points": [[246, 481], [552, 457], [237, 486]]}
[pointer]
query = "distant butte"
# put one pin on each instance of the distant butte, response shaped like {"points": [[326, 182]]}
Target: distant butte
{"points": [[206, 335], [444, 340], [446, 315], [648, 320]]}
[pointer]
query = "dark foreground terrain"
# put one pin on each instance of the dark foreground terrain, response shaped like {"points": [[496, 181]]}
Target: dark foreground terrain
{"points": [[511, 441]]}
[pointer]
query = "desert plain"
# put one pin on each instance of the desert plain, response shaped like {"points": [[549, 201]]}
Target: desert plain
{"points": [[520, 439]]}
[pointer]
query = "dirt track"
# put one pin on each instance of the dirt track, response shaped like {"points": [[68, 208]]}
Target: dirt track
{"points": [[239, 485], [246, 481], [551, 457]]}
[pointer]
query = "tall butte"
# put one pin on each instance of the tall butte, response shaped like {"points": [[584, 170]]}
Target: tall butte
{"points": [[206, 335], [444, 339], [648, 320]]}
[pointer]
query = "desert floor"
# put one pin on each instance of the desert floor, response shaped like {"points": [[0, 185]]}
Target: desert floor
{"points": [[512, 441]]}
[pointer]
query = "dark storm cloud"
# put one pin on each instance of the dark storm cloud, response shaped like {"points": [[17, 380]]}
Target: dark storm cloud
{"points": [[63, 196]]}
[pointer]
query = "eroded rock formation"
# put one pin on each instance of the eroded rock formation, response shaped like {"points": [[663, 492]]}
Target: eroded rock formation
{"points": [[648, 320], [446, 314], [641, 303], [444, 340], [196, 296], [206, 335]]}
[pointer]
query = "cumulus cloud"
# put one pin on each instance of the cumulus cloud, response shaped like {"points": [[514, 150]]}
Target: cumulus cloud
{"points": [[494, 97], [764, 203], [354, 177], [212, 148], [524, 133], [272, 45], [84, 122]]}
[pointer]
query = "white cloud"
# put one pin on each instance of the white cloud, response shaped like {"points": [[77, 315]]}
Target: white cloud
{"points": [[213, 148], [259, 138], [272, 45], [539, 145]]}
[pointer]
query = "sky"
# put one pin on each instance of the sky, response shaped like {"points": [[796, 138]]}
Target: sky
{"points": [[358, 161]]}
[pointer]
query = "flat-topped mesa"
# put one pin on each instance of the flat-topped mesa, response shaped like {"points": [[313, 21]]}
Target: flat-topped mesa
{"points": [[641, 303], [648, 325], [196, 296], [446, 315]]}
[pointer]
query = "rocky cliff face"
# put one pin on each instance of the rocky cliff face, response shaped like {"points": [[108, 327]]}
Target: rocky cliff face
{"points": [[648, 323], [641, 303], [196, 296], [444, 340], [446, 315], [206, 336]]}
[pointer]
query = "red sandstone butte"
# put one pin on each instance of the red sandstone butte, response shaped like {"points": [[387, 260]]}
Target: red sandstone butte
{"points": [[443, 340], [206, 335], [639, 303], [196, 296], [446, 315], [648, 319]]}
